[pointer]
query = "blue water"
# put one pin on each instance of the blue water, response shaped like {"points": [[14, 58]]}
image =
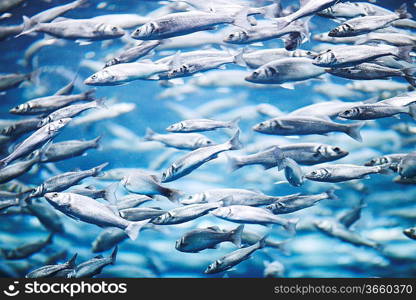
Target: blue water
{"points": [[153, 254]]}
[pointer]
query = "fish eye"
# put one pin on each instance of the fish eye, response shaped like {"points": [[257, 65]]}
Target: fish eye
{"points": [[94, 76], [209, 142], [255, 74], [337, 149], [54, 195], [114, 29], [231, 35]]}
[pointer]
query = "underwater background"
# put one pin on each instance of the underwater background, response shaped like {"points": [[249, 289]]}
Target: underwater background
{"points": [[389, 208]]}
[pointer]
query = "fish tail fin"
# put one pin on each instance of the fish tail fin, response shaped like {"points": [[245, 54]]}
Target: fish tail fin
{"points": [[89, 95], [173, 195], [149, 134], [280, 158], [34, 76], [353, 130], [239, 59], [412, 111], [72, 262], [262, 242], [133, 229], [114, 255], [96, 141], [236, 235], [96, 170], [291, 226], [409, 75], [404, 53], [241, 20], [234, 122], [28, 26], [403, 13], [110, 193], [234, 142], [282, 22], [331, 194], [234, 163], [100, 103]]}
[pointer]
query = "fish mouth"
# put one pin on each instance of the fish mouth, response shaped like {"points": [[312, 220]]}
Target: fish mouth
{"points": [[89, 81]]}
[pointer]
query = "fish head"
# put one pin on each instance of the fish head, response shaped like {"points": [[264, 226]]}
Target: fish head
{"points": [[212, 268], [350, 113], [55, 126], [341, 31], [410, 232], [146, 31], [204, 142], [169, 173], [175, 127], [162, 219], [194, 199], [61, 200], [103, 77], [180, 243], [255, 77], [237, 36], [324, 225], [335, 152], [20, 108], [261, 127], [321, 173], [326, 58], [108, 30], [376, 161], [44, 121], [222, 212], [179, 71]]}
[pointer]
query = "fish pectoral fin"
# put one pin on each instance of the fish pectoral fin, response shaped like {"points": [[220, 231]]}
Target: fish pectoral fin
{"points": [[83, 42], [284, 126], [289, 86]]}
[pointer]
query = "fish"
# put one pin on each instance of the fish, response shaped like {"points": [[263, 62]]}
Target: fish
{"points": [[344, 172], [196, 158], [200, 125], [410, 233], [7, 5], [108, 239], [46, 215], [253, 215], [91, 211], [255, 59], [406, 166], [299, 202], [376, 111], [181, 23], [63, 181], [35, 140], [231, 259], [50, 270], [134, 53], [95, 265], [185, 213], [391, 159], [141, 213], [183, 141], [19, 168], [300, 125], [50, 103], [26, 250], [148, 184], [205, 238], [14, 80]]}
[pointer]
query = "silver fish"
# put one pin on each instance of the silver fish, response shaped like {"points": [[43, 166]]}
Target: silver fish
{"points": [[253, 215], [13, 80], [95, 265], [148, 184], [407, 166], [230, 260], [17, 169], [376, 111], [50, 103], [187, 22], [46, 215], [185, 213], [35, 140], [67, 149], [21, 127], [344, 172], [133, 53], [141, 213], [200, 239], [108, 238], [51, 270], [255, 59], [27, 249], [91, 211], [290, 205], [301, 125], [196, 158], [7, 5], [185, 141]]}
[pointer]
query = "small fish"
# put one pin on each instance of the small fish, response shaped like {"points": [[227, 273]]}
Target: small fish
{"points": [[148, 184], [21, 127], [299, 202], [391, 159], [108, 238], [196, 158], [50, 103], [231, 259], [410, 233], [91, 211], [46, 215], [200, 125], [131, 201], [301, 125], [7, 5], [26, 250], [257, 58], [35, 140], [17, 169], [185, 213], [94, 266], [133, 53], [344, 172], [366, 24], [63, 181], [10, 81], [181, 23], [376, 111], [253, 215], [208, 238], [184, 141], [51, 270], [293, 172], [141, 213], [67, 149]]}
